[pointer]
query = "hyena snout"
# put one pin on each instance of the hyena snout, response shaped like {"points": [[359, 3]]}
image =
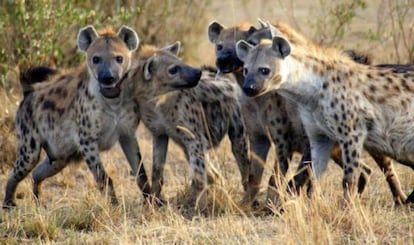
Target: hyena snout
{"points": [[109, 83], [250, 87], [190, 76], [227, 61]]}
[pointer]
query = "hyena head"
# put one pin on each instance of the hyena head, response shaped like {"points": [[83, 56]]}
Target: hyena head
{"points": [[262, 64], [164, 72], [108, 56], [225, 40]]}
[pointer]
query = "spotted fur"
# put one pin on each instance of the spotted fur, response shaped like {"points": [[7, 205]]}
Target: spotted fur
{"points": [[187, 105], [267, 31], [339, 101], [75, 114]]}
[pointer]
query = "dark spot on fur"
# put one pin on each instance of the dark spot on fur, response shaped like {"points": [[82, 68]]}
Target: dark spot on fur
{"points": [[92, 158], [32, 143], [354, 153], [49, 105], [349, 170]]}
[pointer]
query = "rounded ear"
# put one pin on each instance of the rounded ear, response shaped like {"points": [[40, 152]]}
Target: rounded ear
{"points": [[86, 36], [273, 30], [262, 23], [129, 36], [148, 68], [214, 30], [281, 47], [242, 49], [173, 48]]}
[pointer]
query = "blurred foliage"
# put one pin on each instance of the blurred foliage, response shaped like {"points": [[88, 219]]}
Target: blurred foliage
{"points": [[44, 31], [335, 17]]}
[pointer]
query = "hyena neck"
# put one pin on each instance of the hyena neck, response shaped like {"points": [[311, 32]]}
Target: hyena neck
{"points": [[302, 80]]}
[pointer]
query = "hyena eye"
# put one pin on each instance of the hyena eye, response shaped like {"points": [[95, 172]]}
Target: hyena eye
{"points": [[173, 70], [96, 59], [245, 71], [119, 59], [264, 71], [219, 47]]}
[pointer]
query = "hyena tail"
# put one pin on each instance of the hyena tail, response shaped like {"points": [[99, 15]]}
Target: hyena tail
{"points": [[33, 75]]}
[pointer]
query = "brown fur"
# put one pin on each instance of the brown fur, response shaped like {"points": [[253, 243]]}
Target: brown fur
{"points": [[343, 102], [196, 117], [71, 117]]}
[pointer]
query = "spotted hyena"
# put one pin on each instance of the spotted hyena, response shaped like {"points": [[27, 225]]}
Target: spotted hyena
{"points": [[340, 101], [187, 105], [76, 114], [267, 31], [269, 118]]}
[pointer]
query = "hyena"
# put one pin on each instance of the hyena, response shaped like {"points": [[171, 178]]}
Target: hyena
{"points": [[269, 118], [75, 114], [340, 101], [267, 31], [187, 105]]}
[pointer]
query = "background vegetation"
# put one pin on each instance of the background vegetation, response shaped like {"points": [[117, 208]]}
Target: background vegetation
{"points": [[71, 210]]}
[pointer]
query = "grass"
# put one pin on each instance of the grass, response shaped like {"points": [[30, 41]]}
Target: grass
{"points": [[72, 211]]}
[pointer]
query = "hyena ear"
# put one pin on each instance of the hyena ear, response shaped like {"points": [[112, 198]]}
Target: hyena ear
{"points": [[242, 49], [86, 36], [273, 30], [214, 30], [173, 48], [148, 68], [280, 47], [262, 23], [129, 36]]}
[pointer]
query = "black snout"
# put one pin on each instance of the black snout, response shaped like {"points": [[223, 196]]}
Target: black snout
{"points": [[109, 85], [250, 87], [106, 78], [191, 76], [227, 61]]}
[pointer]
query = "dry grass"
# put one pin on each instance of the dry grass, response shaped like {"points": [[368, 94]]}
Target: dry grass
{"points": [[72, 211]]}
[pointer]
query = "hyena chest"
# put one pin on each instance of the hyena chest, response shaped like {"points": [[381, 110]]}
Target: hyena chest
{"points": [[114, 124]]}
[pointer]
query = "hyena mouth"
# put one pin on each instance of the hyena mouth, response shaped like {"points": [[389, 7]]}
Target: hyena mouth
{"points": [[228, 64], [111, 91]]}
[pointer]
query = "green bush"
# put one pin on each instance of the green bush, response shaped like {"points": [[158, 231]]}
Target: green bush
{"points": [[44, 31]]}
